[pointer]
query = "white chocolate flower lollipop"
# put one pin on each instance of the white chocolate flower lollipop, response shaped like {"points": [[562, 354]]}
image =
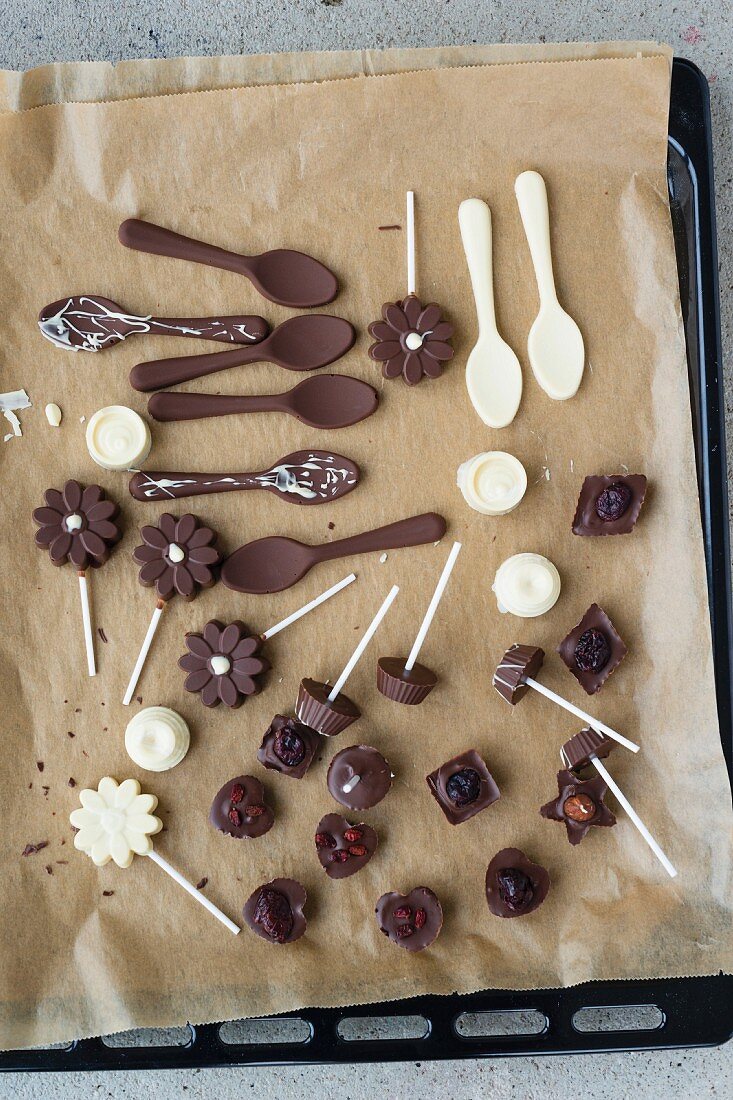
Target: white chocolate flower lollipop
{"points": [[116, 822]]}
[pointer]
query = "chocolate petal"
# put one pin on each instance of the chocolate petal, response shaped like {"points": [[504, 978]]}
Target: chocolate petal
{"points": [[92, 496], [152, 570], [55, 500], [229, 638], [210, 693], [200, 573], [203, 555], [437, 349], [153, 536], [45, 535], [167, 525], [104, 529], [198, 679], [385, 350], [250, 666], [429, 318], [412, 370], [185, 528], [433, 368], [72, 496], [92, 543], [183, 581], [443, 331], [412, 308], [395, 318], [199, 647], [191, 662], [381, 331], [201, 537], [245, 684], [393, 369], [245, 648], [60, 546], [212, 633], [143, 554], [103, 509], [78, 555], [47, 517], [227, 691]]}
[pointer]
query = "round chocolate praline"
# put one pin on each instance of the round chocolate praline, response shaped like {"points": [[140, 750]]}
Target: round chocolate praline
{"points": [[374, 772], [274, 911], [288, 746], [514, 885]]}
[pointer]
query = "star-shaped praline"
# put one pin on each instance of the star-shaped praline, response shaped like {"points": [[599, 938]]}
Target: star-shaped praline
{"points": [[579, 805], [223, 664]]}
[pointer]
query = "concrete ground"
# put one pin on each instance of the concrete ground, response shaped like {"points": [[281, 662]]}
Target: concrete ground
{"points": [[38, 31]]}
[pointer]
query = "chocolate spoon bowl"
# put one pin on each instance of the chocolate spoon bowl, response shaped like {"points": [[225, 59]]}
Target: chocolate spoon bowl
{"points": [[275, 563], [283, 275], [307, 342], [89, 322], [324, 401], [303, 477]]}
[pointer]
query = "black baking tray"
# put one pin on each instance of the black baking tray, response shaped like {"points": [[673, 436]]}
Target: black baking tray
{"points": [[650, 1014]]}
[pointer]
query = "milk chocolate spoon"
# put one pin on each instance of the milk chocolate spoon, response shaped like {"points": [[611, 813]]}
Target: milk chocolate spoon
{"points": [[275, 563], [303, 477], [86, 322], [284, 276], [325, 401], [307, 342]]}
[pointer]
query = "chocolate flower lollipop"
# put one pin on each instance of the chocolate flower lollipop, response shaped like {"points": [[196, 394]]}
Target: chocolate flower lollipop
{"points": [[178, 557], [77, 525], [222, 663], [412, 339]]}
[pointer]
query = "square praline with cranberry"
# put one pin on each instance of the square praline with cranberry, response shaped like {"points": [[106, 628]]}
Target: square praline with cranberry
{"points": [[592, 649], [463, 787]]}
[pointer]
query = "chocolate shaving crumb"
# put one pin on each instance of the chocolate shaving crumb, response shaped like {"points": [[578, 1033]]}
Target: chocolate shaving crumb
{"points": [[62, 862], [139, 699], [77, 710], [103, 637], [31, 848], [84, 753], [49, 869], [200, 885], [40, 765], [331, 526], [30, 786], [389, 227], [63, 841], [45, 791], [72, 782], [107, 893], [70, 733]]}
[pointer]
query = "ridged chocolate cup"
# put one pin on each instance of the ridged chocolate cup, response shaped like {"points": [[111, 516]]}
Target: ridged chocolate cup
{"points": [[314, 709], [410, 687]]}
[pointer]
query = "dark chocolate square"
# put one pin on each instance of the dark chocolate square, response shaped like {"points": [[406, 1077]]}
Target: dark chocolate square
{"points": [[488, 791], [268, 757], [595, 618], [588, 522]]}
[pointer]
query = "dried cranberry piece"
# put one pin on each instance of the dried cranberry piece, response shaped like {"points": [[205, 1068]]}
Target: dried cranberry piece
{"points": [[515, 888], [273, 912], [254, 810], [289, 746], [404, 930], [234, 816], [613, 502], [325, 840], [592, 653], [402, 912], [357, 850], [340, 856], [237, 793], [352, 834], [420, 918], [579, 807], [463, 787]]}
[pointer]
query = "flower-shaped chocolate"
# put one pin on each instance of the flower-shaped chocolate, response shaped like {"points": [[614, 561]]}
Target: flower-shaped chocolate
{"points": [[177, 556], [115, 822], [412, 340], [223, 664], [579, 804], [77, 525]]}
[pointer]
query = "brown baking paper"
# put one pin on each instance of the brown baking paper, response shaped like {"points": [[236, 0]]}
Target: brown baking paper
{"points": [[319, 163]]}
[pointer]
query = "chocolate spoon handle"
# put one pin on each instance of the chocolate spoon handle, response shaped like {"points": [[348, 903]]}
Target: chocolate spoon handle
{"points": [[158, 373], [147, 237], [428, 527], [197, 406]]}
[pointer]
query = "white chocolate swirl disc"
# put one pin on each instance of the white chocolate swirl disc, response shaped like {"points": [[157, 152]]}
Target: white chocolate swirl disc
{"points": [[157, 739], [493, 482], [526, 585], [117, 438]]}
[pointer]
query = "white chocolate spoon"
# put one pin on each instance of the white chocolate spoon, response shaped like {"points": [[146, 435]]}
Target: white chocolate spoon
{"points": [[555, 344], [493, 373]]}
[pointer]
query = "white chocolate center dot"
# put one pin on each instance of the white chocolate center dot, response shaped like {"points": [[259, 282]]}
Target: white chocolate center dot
{"points": [[73, 522], [220, 664], [175, 553], [413, 341]]}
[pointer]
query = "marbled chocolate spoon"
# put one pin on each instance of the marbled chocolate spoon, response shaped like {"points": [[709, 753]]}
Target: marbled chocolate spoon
{"points": [[324, 401], [284, 276], [307, 342], [86, 322], [303, 477], [275, 563]]}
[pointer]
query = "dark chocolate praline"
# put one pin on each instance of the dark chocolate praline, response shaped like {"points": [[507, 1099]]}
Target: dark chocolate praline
{"points": [[274, 911], [288, 747], [412, 920], [514, 885], [463, 787]]}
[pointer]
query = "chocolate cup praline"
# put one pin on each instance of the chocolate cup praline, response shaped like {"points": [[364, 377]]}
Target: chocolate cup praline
{"points": [[334, 826], [421, 898], [410, 688], [515, 859], [238, 823], [578, 752], [375, 777], [296, 897], [314, 709]]}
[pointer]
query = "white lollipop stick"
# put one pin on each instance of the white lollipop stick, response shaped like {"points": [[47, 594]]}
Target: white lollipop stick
{"points": [[143, 653], [370, 631], [200, 898], [410, 242], [433, 606], [308, 607], [87, 620], [612, 786], [351, 783], [594, 723]]}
